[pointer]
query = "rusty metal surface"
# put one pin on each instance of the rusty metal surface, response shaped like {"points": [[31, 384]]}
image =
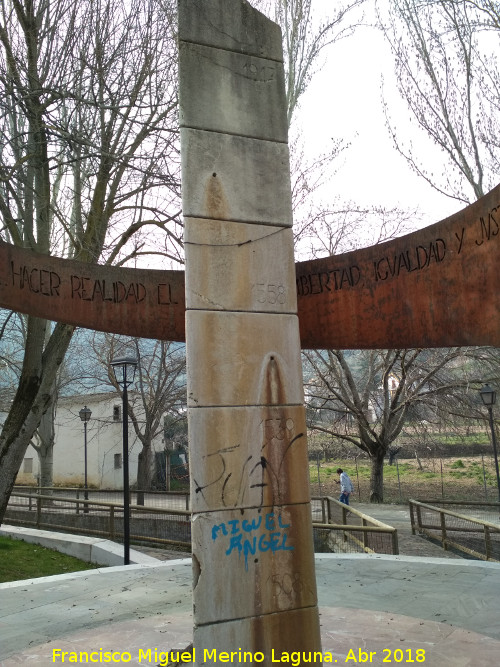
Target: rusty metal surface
{"points": [[136, 302], [434, 287], [437, 287]]}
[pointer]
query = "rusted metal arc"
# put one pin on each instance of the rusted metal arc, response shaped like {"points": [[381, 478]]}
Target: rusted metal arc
{"points": [[136, 302], [436, 287]]}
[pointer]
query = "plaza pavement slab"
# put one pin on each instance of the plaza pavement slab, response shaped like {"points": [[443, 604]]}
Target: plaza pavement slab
{"points": [[389, 606]]}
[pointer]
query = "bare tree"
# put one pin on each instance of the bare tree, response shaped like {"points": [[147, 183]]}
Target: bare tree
{"points": [[345, 227], [447, 73], [380, 390], [160, 389], [306, 35], [43, 443], [89, 159], [334, 226]]}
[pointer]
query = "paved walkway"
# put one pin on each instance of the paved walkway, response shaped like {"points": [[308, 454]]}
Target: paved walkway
{"points": [[400, 608], [398, 516], [390, 605]]}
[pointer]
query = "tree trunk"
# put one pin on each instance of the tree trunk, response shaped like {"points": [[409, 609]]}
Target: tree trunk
{"points": [[46, 461], [377, 478], [45, 450], [144, 471], [167, 470], [31, 401]]}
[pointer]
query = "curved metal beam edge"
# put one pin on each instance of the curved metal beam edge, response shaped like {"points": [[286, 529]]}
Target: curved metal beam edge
{"points": [[437, 287]]}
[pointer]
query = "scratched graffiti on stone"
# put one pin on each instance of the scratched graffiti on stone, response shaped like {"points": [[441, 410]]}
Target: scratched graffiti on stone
{"points": [[264, 473]]}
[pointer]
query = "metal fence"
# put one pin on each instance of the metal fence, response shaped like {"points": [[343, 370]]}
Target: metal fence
{"points": [[342, 529], [447, 478], [463, 531]]}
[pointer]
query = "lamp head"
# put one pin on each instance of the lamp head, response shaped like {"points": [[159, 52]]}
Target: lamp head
{"points": [[85, 414], [124, 369], [488, 395]]}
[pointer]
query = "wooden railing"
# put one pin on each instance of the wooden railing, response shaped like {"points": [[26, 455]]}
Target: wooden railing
{"points": [[176, 499], [341, 528], [464, 532], [349, 530], [159, 525]]}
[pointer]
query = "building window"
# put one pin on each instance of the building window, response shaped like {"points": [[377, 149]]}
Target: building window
{"points": [[117, 413], [28, 465], [118, 461]]}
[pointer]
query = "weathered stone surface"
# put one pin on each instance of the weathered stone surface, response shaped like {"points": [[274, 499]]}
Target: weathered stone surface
{"points": [[235, 367], [227, 177], [235, 266], [231, 92], [272, 634], [264, 557], [252, 456], [229, 25], [244, 369]]}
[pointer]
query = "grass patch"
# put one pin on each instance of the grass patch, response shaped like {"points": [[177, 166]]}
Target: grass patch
{"points": [[392, 471], [22, 560], [179, 485]]}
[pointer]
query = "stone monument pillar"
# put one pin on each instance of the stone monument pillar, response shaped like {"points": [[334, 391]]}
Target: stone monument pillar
{"points": [[254, 585]]}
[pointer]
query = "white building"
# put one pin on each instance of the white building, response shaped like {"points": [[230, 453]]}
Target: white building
{"points": [[104, 445]]}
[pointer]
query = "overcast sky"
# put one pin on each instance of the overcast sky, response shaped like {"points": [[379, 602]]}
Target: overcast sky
{"points": [[344, 100]]}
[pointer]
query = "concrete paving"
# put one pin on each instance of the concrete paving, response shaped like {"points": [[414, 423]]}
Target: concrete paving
{"points": [[403, 610]]}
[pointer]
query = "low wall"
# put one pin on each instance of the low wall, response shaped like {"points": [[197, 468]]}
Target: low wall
{"points": [[88, 549]]}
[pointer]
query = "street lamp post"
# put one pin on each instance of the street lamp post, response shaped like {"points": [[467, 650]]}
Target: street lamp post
{"points": [[124, 369], [85, 414], [489, 396]]}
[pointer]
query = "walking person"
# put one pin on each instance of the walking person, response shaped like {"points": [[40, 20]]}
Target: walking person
{"points": [[346, 486]]}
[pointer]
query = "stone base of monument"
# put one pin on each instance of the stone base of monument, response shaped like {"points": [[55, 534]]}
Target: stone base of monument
{"points": [[275, 633]]}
